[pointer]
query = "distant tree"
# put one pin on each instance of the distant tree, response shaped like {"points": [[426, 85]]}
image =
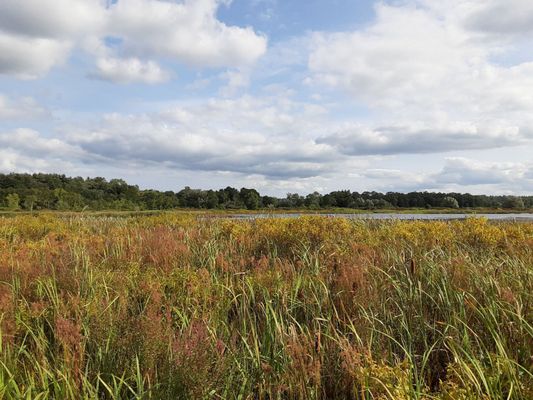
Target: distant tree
{"points": [[359, 202], [54, 191], [450, 202], [68, 200], [30, 201], [13, 201], [250, 198], [294, 200], [211, 199], [343, 198], [392, 198], [369, 203], [312, 200], [269, 201], [381, 203], [229, 198], [327, 201], [513, 202], [191, 197]]}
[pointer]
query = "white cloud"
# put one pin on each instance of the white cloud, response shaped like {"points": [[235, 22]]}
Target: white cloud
{"points": [[187, 31], [29, 57], [419, 139], [32, 143], [130, 70], [245, 135], [416, 58], [460, 174], [460, 171], [425, 77], [509, 17], [19, 108], [26, 150], [236, 80], [57, 19], [421, 63], [457, 174], [36, 35], [13, 161]]}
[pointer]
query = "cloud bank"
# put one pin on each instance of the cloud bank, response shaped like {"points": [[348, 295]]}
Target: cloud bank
{"points": [[427, 95], [36, 35]]}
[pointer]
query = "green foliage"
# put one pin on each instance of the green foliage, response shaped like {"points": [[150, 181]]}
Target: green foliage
{"points": [[450, 202], [58, 192], [513, 202], [13, 201], [30, 201], [169, 306], [250, 198]]}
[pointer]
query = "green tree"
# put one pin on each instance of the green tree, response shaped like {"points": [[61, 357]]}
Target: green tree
{"points": [[312, 200], [211, 199], [513, 202], [13, 201], [250, 198], [67, 200], [359, 202], [450, 202], [29, 202], [294, 200], [269, 201]]}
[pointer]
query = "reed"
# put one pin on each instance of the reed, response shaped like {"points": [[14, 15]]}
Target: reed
{"points": [[171, 306]]}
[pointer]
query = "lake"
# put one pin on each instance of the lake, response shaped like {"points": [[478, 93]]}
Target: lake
{"points": [[387, 216]]}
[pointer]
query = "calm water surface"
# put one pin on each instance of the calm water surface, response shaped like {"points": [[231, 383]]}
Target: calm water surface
{"points": [[495, 217]]}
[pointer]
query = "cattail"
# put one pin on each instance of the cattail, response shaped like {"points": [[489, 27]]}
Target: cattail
{"points": [[412, 266], [69, 335], [317, 342]]}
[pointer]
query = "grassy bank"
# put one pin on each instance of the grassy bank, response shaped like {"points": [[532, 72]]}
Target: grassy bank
{"points": [[273, 211], [168, 306]]}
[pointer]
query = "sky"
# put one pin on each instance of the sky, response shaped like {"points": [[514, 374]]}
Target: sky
{"points": [[279, 95]]}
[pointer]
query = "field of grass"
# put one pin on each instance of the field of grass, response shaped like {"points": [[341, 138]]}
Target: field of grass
{"points": [[169, 306], [274, 211]]}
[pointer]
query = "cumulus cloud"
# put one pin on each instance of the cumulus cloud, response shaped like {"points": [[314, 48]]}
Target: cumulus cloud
{"points": [[499, 17], [27, 150], [130, 70], [424, 77], [36, 35], [51, 18], [390, 140], [404, 53], [245, 135], [19, 108], [188, 31], [427, 63], [466, 174], [11, 160], [457, 174], [29, 57], [32, 143], [461, 171], [419, 57], [236, 80]]}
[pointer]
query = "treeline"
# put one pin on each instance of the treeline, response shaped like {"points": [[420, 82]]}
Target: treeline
{"points": [[59, 192]]}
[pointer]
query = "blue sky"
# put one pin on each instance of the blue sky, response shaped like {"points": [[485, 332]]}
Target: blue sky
{"points": [[284, 96], [281, 19]]}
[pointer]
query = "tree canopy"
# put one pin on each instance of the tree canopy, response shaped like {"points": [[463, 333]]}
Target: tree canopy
{"points": [[59, 192]]}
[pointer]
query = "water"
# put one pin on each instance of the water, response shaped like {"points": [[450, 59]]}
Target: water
{"points": [[389, 216]]}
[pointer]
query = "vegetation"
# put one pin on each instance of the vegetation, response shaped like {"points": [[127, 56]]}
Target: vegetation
{"points": [[58, 192], [170, 306]]}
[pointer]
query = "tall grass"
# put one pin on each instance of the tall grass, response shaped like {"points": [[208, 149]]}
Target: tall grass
{"points": [[172, 307]]}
